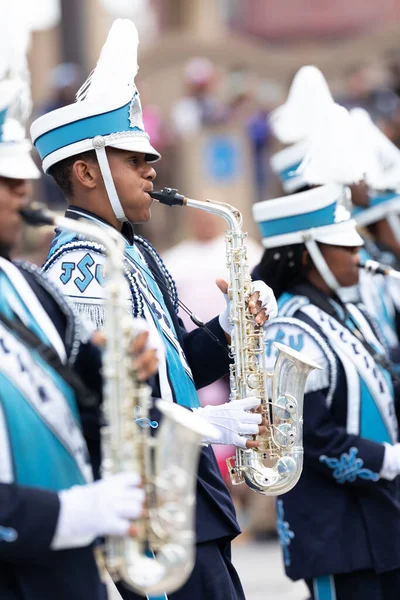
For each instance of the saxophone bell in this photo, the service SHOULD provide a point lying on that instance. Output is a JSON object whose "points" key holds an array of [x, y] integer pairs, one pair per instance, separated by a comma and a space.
{"points": [[163, 556], [285, 412]]}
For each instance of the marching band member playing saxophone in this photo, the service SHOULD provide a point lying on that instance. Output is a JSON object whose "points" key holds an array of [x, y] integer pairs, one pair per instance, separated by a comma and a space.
{"points": [[101, 157], [50, 509], [375, 203], [327, 523]]}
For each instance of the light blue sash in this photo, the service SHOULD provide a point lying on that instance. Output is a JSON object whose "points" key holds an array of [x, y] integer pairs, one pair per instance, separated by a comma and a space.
{"points": [[179, 372], [43, 445]]}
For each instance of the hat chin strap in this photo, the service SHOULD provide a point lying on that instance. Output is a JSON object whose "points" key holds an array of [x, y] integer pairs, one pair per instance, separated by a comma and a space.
{"points": [[108, 179], [321, 265]]}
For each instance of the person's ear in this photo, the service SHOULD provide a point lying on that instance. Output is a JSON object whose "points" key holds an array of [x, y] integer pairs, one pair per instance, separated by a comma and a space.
{"points": [[85, 173], [305, 258]]}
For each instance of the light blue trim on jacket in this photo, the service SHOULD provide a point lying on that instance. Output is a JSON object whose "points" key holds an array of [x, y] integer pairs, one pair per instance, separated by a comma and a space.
{"points": [[324, 588], [3, 114], [348, 467], [372, 425], [285, 534], [8, 534]]}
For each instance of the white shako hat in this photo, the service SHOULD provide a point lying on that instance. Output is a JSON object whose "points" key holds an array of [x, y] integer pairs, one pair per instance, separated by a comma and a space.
{"points": [[294, 122], [336, 153], [107, 112], [285, 164], [383, 175], [15, 98], [321, 214], [316, 215], [308, 97]]}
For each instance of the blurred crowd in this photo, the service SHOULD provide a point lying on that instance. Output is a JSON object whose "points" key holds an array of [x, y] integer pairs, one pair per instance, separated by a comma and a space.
{"points": [[237, 99]]}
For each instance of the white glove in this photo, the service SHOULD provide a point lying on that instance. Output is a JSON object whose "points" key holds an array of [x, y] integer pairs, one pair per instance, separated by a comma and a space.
{"points": [[391, 462], [104, 507], [232, 421], [267, 298]]}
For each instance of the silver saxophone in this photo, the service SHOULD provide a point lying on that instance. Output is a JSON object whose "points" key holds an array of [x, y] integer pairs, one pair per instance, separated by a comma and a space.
{"points": [[161, 556], [283, 409]]}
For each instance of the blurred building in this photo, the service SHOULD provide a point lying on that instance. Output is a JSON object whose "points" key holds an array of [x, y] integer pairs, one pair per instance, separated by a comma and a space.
{"points": [[306, 20], [249, 42]]}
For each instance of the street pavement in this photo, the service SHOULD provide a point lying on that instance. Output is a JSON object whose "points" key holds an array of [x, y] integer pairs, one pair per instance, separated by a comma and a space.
{"points": [[260, 567], [261, 572]]}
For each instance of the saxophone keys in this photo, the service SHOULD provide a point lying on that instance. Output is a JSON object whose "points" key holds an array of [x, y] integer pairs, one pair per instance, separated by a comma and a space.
{"points": [[285, 435], [284, 407], [253, 382]]}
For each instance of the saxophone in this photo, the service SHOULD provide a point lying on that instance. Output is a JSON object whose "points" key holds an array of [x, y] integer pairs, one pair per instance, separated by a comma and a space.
{"points": [[283, 412], [161, 557], [376, 268]]}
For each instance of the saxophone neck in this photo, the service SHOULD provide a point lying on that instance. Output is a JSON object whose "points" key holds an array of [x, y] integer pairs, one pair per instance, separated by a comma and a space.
{"points": [[226, 211], [171, 197]]}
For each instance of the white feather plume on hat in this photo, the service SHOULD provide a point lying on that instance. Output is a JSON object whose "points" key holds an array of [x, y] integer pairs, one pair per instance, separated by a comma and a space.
{"points": [[308, 98], [107, 111], [14, 71], [15, 94], [117, 63], [384, 172], [336, 153]]}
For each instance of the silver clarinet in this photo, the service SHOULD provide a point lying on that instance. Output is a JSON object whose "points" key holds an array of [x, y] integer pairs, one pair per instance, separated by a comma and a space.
{"points": [[283, 408], [161, 556]]}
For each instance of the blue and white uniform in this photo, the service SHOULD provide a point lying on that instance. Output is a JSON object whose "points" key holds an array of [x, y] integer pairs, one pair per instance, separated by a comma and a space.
{"points": [[380, 294], [341, 517], [187, 361], [42, 446], [339, 526]]}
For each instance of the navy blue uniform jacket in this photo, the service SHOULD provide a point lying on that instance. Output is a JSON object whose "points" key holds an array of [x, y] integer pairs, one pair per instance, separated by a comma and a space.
{"points": [[340, 517]]}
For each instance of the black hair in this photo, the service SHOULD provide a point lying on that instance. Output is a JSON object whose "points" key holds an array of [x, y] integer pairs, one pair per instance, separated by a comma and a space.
{"points": [[305, 188], [61, 171], [282, 268]]}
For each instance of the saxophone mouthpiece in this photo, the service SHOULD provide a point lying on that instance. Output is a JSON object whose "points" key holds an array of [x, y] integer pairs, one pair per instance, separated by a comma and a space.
{"points": [[37, 215], [169, 196], [376, 268]]}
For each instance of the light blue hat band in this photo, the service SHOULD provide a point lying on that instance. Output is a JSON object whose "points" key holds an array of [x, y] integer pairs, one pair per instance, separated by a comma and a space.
{"points": [[317, 218], [114, 121], [3, 114], [289, 172], [375, 200]]}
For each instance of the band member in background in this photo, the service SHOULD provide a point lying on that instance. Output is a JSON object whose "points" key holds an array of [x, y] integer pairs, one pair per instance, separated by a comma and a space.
{"points": [[327, 523], [331, 146], [51, 511], [101, 157], [377, 210]]}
